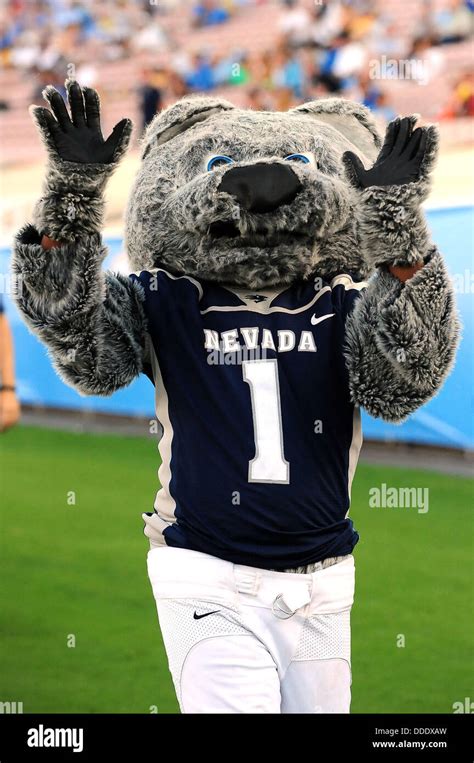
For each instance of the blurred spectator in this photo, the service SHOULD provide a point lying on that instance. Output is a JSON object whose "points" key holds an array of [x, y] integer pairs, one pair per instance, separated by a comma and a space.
{"points": [[360, 21], [283, 99], [382, 107], [150, 38], [176, 85], [201, 76], [328, 22], [310, 49], [288, 72], [453, 23], [209, 13], [426, 61], [238, 68], [261, 68], [258, 100], [151, 94], [294, 22], [9, 405], [461, 100], [385, 38], [343, 61], [349, 58], [368, 92]]}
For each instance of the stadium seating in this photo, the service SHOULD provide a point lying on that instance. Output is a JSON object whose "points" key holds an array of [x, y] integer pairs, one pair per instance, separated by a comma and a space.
{"points": [[253, 28]]}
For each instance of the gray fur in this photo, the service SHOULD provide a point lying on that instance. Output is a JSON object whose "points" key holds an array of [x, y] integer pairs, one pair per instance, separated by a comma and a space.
{"points": [[401, 340], [329, 228], [390, 221], [181, 115], [291, 242], [351, 119], [72, 203], [92, 322]]}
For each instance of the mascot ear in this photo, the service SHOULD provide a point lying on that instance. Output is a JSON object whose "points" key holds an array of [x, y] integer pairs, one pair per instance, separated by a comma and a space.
{"points": [[180, 117], [352, 120]]}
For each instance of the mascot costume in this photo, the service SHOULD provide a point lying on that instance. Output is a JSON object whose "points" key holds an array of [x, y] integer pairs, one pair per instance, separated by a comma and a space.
{"points": [[284, 278]]}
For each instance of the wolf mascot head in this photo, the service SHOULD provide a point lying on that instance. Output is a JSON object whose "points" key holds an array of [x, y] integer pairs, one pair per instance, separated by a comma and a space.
{"points": [[249, 198]]}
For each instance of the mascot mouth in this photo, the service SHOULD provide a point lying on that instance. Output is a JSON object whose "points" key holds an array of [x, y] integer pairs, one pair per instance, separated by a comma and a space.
{"points": [[228, 231], [223, 229]]}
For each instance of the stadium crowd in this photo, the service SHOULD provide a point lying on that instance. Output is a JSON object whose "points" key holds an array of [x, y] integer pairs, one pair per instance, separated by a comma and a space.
{"points": [[319, 49]]}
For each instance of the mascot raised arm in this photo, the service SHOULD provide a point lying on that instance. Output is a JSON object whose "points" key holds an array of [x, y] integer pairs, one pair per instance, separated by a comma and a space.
{"points": [[284, 277]]}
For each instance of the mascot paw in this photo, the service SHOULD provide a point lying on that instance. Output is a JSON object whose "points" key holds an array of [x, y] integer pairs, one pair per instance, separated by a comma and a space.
{"points": [[407, 156], [391, 191], [76, 135]]}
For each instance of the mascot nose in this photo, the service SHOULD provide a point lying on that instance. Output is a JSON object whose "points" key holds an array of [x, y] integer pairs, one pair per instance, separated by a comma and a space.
{"points": [[261, 187]]}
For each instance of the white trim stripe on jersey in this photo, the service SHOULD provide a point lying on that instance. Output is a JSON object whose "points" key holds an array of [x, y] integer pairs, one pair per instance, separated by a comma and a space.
{"points": [[354, 450], [357, 437], [155, 271], [260, 308], [344, 279], [165, 505]]}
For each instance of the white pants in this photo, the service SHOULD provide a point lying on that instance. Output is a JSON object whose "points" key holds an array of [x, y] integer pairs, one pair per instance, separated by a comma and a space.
{"points": [[245, 640]]}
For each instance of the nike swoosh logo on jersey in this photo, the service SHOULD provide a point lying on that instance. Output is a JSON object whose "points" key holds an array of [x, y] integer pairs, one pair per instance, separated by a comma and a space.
{"points": [[315, 321], [206, 614]]}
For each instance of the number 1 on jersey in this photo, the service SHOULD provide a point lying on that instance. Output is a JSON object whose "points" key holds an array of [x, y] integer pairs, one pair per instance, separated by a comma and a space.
{"points": [[269, 464]]}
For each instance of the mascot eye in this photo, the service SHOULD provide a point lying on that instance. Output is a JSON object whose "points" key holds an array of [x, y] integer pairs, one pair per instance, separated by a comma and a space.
{"points": [[218, 161], [302, 158]]}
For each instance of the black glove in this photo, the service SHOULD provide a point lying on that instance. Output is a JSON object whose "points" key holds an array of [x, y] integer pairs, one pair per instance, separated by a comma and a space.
{"points": [[400, 159], [78, 138], [80, 162]]}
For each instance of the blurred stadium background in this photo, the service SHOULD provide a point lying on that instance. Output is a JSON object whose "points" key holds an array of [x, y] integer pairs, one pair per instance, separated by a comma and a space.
{"points": [[79, 569]]}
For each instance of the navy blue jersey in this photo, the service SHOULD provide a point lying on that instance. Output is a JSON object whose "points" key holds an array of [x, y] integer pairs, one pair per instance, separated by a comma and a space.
{"points": [[260, 436]]}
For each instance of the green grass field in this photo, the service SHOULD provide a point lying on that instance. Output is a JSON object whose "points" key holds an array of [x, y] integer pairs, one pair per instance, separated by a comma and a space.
{"points": [[80, 569]]}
